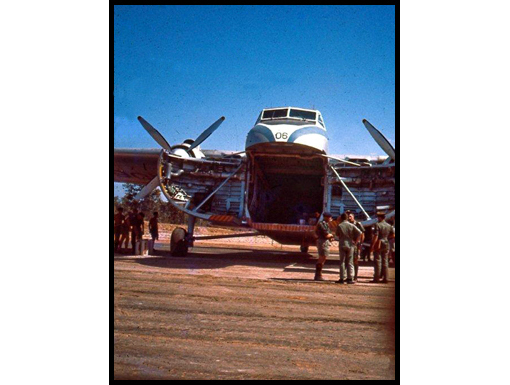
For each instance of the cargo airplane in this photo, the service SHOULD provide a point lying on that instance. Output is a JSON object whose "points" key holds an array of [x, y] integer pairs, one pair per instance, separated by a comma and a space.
{"points": [[274, 187]]}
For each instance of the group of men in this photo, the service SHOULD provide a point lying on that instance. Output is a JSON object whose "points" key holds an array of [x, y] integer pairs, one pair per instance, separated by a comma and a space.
{"points": [[132, 225], [351, 234]]}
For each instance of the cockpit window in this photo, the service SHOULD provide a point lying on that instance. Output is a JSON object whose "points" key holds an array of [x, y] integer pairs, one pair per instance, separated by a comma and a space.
{"points": [[275, 114], [321, 122], [305, 115], [286, 113]]}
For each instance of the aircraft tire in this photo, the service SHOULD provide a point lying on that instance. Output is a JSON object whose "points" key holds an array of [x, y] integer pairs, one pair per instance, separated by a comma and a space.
{"points": [[178, 243]]}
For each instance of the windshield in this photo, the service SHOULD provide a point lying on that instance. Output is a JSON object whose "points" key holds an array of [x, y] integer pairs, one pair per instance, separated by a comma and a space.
{"points": [[275, 114], [305, 115]]}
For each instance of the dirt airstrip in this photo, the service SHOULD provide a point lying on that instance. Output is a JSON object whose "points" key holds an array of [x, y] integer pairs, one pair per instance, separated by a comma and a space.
{"points": [[246, 312]]}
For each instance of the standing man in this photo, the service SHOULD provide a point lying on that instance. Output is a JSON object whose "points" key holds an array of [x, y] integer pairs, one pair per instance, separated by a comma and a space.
{"points": [[314, 219], [348, 236], [393, 250], [126, 228], [325, 236], [358, 245], [365, 251], [118, 222], [154, 229], [136, 223], [381, 248], [132, 225]]}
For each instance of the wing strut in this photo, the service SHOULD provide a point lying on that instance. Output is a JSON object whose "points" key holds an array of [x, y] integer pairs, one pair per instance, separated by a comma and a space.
{"points": [[350, 192], [341, 160], [218, 188]]}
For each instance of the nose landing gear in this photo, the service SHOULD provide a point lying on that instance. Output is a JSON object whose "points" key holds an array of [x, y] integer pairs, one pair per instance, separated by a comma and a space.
{"points": [[182, 240], [179, 243]]}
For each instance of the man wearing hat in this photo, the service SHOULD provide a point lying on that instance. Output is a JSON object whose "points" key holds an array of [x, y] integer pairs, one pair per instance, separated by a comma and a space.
{"points": [[348, 236], [381, 248], [325, 236]]}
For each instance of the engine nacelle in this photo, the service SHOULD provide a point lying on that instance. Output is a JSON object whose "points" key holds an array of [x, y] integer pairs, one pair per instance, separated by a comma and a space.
{"points": [[182, 150]]}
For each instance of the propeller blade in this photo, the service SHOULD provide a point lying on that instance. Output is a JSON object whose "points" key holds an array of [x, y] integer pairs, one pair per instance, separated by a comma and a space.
{"points": [[207, 133], [147, 190], [380, 139], [155, 134]]}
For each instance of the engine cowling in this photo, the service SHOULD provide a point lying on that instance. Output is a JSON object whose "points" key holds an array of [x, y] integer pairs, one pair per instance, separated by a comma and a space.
{"points": [[182, 150]]}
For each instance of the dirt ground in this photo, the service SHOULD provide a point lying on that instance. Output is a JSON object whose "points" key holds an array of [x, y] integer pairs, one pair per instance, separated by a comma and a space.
{"points": [[245, 313]]}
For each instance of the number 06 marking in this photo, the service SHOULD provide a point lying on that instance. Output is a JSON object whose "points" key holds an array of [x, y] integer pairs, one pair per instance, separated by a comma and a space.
{"points": [[282, 135]]}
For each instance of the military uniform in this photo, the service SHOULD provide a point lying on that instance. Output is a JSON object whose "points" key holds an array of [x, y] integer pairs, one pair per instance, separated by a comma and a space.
{"points": [[382, 231], [124, 240], [323, 243], [154, 228], [136, 230], [357, 250], [117, 229], [365, 252], [323, 231], [347, 234]]}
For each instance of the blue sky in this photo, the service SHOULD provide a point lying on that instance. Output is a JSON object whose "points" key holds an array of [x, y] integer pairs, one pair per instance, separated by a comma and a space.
{"points": [[182, 67]]}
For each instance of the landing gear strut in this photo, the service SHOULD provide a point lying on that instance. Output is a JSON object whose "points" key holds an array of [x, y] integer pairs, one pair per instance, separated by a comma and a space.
{"points": [[305, 248], [191, 231]]}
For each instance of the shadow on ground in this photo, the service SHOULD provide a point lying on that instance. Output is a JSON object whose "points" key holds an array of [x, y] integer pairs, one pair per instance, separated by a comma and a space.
{"points": [[217, 257]]}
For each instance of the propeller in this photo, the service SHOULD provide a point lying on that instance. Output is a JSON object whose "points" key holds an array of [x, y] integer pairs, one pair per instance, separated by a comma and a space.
{"points": [[156, 135], [380, 139]]}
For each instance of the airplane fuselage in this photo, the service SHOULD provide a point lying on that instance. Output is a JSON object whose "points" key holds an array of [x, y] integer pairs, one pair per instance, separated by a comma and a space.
{"points": [[287, 172]]}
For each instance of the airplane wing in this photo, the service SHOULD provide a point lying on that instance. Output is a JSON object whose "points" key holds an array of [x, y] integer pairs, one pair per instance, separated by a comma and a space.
{"points": [[210, 188], [135, 166], [350, 161]]}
